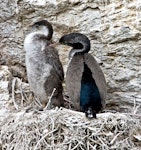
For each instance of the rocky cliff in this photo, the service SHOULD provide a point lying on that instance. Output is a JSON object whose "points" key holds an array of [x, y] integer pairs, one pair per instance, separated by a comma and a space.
{"points": [[113, 26]]}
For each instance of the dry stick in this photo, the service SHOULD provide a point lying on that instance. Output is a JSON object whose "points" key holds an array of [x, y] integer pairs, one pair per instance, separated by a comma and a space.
{"points": [[21, 92], [135, 108], [68, 101], [13, 93], [37, 102], [135, 115], [88, 145], [76, 146], [52, 142], [23, 137], [112, 142], [69, 146], [43, 137], [80, 147], [104, 144], [25, 96], [92, 146], [47, 133], [49, 101]]}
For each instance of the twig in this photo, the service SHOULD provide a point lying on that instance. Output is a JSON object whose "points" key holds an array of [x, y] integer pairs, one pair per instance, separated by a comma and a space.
{"points": [[49, 101], [13, 92], [103, 144], [88, 145], [43, 138], [69, 146], [76, 146], [21, 91], [67, 100], [37, 102], [112, 142]]}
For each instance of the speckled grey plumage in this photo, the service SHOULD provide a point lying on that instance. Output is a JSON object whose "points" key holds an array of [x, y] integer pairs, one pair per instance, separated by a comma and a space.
{"points": [[44, 69]]}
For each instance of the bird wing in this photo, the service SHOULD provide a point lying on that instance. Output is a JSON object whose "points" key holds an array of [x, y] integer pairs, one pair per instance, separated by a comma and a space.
{"points": [[97, 75], [73, 80], [54, 60]]}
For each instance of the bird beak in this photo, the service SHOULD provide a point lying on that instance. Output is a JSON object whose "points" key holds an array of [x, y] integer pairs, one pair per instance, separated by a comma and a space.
{"points": [[54, 44]]}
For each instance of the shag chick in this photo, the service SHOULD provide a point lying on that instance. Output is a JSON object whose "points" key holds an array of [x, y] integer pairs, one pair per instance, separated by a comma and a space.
{"points": [[44, 69]]}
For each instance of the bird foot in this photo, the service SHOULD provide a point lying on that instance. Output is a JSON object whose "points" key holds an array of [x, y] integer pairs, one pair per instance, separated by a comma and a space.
{"points": [[90, 113]]}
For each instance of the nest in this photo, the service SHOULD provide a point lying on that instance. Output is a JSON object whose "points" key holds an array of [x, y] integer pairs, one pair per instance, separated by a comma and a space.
{"points": [[64, 129]]}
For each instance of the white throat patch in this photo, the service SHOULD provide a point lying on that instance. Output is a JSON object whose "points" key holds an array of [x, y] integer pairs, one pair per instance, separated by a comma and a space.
{"points": [[44, 30], [28, 42]]}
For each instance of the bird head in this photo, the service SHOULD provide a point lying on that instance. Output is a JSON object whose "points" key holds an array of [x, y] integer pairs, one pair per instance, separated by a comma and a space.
{"points": [[79, 42], [72, 40], [44, 27]]}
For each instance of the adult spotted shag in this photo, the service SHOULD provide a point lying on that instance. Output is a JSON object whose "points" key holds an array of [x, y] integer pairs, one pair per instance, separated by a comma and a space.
{"points": [[44, 69], [85, 80]]}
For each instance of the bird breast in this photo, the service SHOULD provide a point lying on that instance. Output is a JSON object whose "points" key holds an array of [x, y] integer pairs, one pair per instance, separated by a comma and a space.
{"points": [[38, 72], [33, 44]]}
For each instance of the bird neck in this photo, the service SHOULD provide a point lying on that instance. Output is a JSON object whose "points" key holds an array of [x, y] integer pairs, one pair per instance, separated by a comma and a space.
{"points": [[79, 48]]}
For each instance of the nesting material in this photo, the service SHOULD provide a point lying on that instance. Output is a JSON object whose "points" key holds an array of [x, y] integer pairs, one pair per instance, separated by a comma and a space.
{"points": [[64, 129]]}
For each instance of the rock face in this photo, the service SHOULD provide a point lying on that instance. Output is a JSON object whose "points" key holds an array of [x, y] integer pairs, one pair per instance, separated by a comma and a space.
{"points": [[114, 27]]}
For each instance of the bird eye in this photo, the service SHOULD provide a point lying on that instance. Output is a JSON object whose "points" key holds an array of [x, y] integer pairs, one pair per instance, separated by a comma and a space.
{"points": [[36, 26]]}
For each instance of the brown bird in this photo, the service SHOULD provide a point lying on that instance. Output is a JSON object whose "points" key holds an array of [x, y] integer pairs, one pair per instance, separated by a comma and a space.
{"points": [[44, 69], [85, 81]]}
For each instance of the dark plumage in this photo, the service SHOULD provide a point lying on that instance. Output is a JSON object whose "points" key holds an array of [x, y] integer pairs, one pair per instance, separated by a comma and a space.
{"points": [[85, 80], [44, 69]]}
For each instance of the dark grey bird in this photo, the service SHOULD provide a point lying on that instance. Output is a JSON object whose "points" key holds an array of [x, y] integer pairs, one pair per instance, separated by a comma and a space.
{"points": [[85, 81], [44, 69]]}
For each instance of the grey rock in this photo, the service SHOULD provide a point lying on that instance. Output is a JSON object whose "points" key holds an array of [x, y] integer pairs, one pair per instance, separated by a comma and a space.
{"points": [[114, 28]]}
